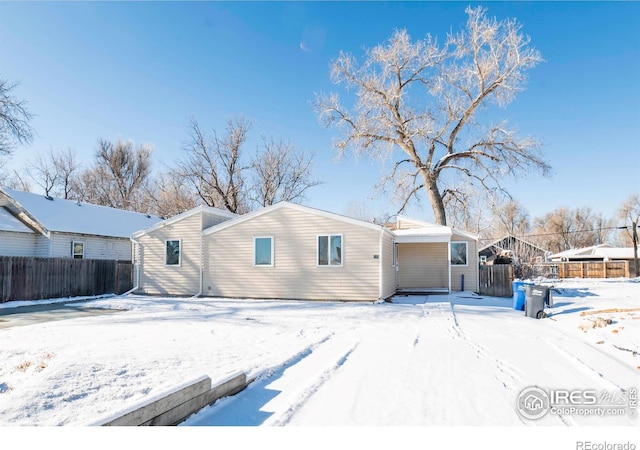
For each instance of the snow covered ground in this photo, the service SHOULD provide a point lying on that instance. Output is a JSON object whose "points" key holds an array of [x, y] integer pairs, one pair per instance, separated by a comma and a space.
{"points": [[436, 361]]}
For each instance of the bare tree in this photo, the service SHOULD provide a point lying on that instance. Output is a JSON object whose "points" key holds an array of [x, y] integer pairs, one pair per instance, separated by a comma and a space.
{"points": [[511, 218], [15, 181], [280, 173], [425, 101], [564, 229], [42, 172], [168, 195], [119, 176], [55, 172], [213, 167], [14, 119], [67, 166], [630, 213]]}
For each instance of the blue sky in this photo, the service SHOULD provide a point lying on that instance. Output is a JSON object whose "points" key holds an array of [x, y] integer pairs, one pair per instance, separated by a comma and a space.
{"points": [[140, 70]]}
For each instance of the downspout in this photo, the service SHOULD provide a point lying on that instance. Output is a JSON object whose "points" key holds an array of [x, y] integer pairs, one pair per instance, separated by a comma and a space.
{"points": [[135, 246], [380, 267], [449, 261]]}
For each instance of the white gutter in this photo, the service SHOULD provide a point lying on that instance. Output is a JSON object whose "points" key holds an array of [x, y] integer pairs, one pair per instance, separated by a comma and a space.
{"points": [[137, 264]]}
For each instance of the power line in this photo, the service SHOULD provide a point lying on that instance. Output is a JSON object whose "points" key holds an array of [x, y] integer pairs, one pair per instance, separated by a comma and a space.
{"points": [[560, 233]]}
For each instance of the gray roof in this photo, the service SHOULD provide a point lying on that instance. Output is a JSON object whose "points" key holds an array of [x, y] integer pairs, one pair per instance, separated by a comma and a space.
{"points": [[69, 216]]}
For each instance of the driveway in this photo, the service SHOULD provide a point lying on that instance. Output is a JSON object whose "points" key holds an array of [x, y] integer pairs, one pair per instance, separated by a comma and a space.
{"points": [[33, 314]]}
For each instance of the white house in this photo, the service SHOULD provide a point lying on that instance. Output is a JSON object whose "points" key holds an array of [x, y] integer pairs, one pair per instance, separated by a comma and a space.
{"points": [[39, 226], [602, 252], [291, 251]]}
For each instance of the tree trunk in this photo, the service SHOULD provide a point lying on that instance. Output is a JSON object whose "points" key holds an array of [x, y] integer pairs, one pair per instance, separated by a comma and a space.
{"points": [[437, 203]]}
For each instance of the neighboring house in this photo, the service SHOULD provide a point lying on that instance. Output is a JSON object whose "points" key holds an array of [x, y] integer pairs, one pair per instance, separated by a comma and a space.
{"points": [[603, 252], [39, 226], [291, 251], [511, 248]]}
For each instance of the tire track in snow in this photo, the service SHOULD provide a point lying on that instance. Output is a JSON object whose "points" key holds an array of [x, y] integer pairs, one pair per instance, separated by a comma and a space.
{"points": [[506, 374], [295, 404]]}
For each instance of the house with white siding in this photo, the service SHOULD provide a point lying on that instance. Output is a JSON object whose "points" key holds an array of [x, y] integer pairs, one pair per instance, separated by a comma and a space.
{"points": [[289, 251], [169, 255], [36, 225]]}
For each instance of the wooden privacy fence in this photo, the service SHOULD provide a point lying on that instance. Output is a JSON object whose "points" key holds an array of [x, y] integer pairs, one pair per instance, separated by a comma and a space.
{"points": [[496, 280], [586, 269], [26, 278]]}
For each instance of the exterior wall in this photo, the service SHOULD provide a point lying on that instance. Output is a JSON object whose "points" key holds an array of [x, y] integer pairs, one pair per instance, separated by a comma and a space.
{"points": [[230, 271], [18, 244], [388, 277], [155, 276], [95, 247], [209, 220], [423, 265], [470, 271]]}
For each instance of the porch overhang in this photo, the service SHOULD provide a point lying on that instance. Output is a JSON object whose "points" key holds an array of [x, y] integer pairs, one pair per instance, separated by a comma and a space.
{"points": [[423, 235]]}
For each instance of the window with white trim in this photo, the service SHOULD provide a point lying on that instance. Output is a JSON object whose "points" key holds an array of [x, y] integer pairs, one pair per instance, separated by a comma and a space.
{"points": [[77, 250], [330, 250], [172, 253], [459, 254], [263, 251]]}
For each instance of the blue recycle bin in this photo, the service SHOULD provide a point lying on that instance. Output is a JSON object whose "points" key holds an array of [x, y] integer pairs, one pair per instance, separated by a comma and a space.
{"points": [[519, 294]]}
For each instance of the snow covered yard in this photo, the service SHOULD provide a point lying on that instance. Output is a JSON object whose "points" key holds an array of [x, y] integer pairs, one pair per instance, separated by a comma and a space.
{"points": [[435, 360]]}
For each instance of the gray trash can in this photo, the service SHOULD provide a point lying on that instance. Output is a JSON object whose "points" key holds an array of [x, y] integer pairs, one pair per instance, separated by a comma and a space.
{"points": [[535, 298]]}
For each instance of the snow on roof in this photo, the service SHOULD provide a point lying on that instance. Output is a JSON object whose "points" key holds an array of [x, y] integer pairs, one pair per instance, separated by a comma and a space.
{"points": [[10, 223], [603, 251], [69, 216], [431, 233]]}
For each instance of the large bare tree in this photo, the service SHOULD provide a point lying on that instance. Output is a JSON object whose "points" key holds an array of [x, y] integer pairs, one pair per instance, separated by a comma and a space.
{"points": [[213, 166], [14, 119], [280, 173], [119, 176], [223, 175], [423, 102]]}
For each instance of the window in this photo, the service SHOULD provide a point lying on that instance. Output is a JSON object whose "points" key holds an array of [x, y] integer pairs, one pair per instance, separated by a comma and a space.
{"points": [[330, 250], [77, 250], [172, 253], [458, 253], [263, 251]]}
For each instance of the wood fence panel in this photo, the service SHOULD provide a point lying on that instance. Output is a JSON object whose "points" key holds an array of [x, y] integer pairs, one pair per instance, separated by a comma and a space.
{"points": [[496, 280], [25, 278], [587, 269]]}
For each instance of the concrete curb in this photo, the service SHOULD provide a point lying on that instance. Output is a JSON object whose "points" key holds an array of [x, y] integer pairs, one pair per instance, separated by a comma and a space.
{"points": [[176, 405]]}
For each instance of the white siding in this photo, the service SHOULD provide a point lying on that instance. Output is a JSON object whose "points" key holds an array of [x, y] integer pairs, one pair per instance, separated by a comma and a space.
{"points": [[470, 271], [155, 276], [388, 270], [423, 265], [95, 247], [18, 244], [295, 275]]}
